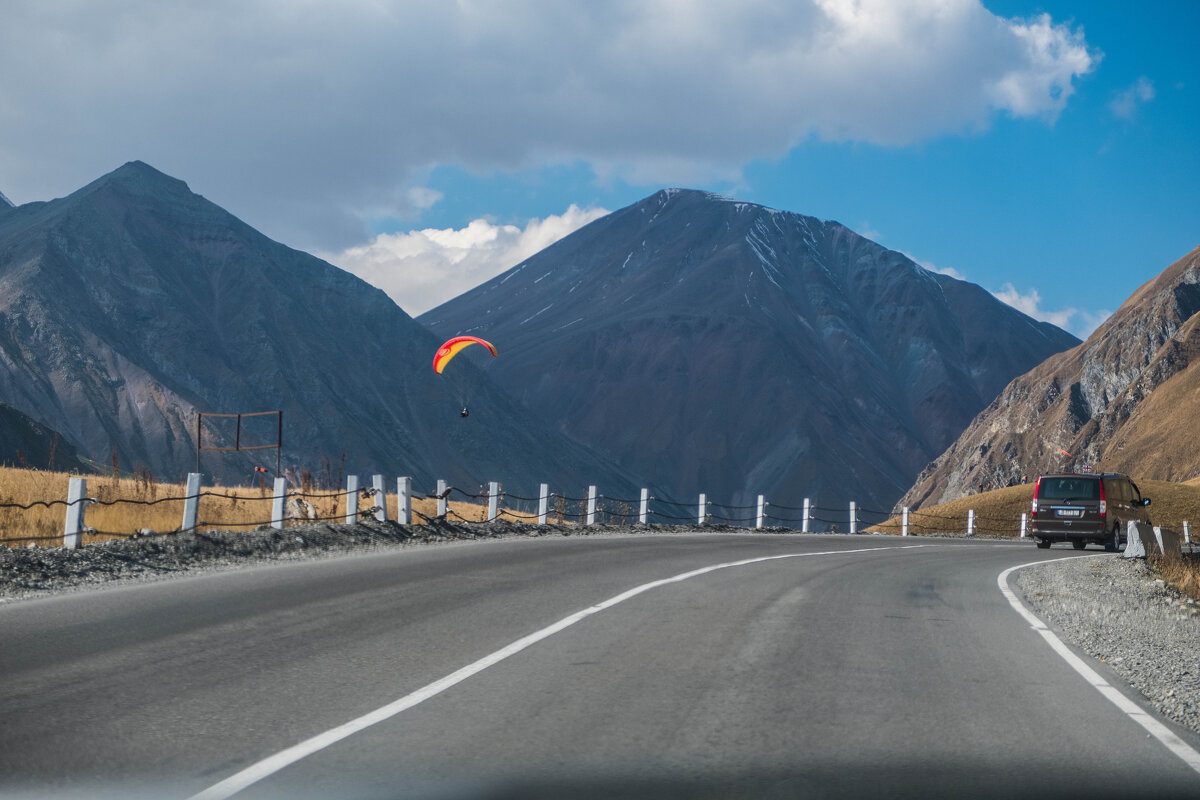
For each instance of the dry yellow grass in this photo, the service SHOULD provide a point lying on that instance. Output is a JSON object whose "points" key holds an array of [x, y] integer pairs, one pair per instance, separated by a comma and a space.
{"points": [[1181, 573], [127, 505], [999, 513], [996, 513]]}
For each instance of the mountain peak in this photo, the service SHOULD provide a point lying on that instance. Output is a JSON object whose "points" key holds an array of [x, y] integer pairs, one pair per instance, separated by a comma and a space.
{"points": [[138, 176], [704, 196], [5, 202], [714, 202], [137, 185]]}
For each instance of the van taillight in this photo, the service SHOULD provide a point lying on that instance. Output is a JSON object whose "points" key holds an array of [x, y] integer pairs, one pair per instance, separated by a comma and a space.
{"points": [[1037, 489], [1103, 501]]}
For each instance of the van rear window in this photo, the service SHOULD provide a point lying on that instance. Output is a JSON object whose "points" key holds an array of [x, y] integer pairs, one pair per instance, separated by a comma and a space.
{"points": [[1069, 489]]}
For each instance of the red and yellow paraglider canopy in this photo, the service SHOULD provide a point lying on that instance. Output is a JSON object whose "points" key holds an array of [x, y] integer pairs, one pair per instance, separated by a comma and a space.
{"points": [[452, 348]]}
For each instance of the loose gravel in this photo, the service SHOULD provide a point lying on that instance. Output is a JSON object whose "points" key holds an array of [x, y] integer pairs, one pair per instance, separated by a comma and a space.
{"points": [[29, 572], [1110, 607]]}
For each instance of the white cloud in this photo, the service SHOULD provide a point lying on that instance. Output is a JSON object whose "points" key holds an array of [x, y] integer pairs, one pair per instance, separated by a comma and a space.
{"points": [[1039, 83], [1080, 323], [929, 265], [305, 119], [951, 271], [1088, 321], [867, 231], [1125, 104], [422, 197], [424, 268]]}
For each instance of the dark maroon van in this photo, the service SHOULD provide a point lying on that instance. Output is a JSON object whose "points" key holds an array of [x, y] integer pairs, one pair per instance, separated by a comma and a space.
{"points": [[1085, 507]]}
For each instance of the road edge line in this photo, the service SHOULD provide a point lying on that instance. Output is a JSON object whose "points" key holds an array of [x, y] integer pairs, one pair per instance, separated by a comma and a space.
{"points": [[1131, 709]]}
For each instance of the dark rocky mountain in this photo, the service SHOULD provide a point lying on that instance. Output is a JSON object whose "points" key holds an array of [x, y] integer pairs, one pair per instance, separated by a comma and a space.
{"points": [[1126, 400], [26, 443], [133, 303], [724, 347]]}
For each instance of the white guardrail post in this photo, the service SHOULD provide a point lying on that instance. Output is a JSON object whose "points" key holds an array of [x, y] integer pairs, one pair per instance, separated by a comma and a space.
{"points": [[404, 507], [703, 508], [804, 519], [493, 500], [853, 518], [191, 505], [762, 511], [1187, 533], [277, 502], [591, 505], [543, 503], [351, 498], [904, 522], [971, 522], [1024, 524], [644, 511], [380, 495], [443, 499], [76, 502]]}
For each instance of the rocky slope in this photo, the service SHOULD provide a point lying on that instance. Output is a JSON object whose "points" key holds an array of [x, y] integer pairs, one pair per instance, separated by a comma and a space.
{"points": [[728, 348], [133, 303], [1123, 401]]}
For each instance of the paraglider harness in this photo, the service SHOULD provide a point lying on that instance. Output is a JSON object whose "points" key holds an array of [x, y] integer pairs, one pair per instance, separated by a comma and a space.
{"points": [[464, 413]]}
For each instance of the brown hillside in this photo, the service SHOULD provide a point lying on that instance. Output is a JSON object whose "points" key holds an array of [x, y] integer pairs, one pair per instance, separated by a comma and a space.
{"points": [[1153, 441], [1123, 401]]}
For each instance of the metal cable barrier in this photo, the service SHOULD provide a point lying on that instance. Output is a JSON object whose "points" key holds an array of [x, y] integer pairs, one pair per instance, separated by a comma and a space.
{"points": [[239, 510]]}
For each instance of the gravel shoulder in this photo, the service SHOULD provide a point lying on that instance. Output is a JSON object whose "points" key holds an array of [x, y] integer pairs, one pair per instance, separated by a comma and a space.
{"points": [[1116, 610], [1109, 607]]}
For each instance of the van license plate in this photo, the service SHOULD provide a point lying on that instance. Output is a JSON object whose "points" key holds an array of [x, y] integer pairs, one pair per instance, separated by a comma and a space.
{"points": [[1069, 512]]}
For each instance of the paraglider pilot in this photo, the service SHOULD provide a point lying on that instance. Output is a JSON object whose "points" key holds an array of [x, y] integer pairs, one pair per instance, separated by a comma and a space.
{"points": [[450, 349]]}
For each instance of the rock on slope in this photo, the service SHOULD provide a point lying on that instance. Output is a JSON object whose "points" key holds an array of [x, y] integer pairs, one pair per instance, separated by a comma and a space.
{"points": [[26, 443]]}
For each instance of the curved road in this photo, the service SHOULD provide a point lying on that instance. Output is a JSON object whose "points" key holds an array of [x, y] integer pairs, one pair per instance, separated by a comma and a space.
{"points": [[767, 665]]}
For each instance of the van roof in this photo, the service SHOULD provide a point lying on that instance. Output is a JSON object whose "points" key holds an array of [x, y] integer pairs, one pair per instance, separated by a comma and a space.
{"points": [[1083, 475]]}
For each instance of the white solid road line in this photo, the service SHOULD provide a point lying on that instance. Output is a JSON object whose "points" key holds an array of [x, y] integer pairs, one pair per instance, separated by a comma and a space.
{"points": [[272, 764], [1131, 709]]}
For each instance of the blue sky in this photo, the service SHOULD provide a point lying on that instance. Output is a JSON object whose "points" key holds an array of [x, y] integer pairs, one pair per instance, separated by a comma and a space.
{"points": [[1046, 151]]}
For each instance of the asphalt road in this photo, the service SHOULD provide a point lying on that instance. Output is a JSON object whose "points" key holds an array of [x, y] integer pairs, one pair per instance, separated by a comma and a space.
{"points": [[851, 666]]}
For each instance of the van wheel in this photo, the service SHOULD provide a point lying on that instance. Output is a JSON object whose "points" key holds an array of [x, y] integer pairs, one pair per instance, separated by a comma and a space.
{"points": [[1113, 545], [1043, 544], [1079, 545]]}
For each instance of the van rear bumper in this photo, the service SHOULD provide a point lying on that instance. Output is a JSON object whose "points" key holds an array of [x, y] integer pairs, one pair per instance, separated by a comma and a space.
{"points": [[1055, 534]]}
